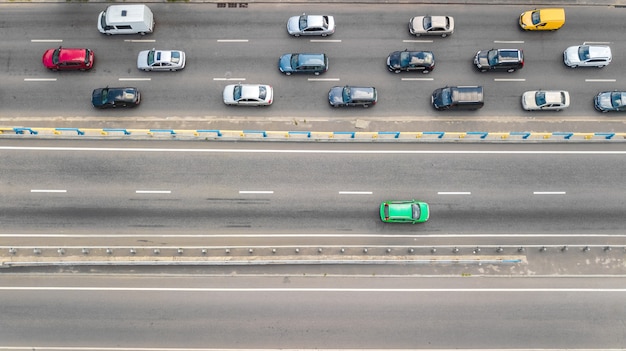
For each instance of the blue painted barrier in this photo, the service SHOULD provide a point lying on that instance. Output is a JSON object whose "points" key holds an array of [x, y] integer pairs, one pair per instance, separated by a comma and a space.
{"points": [[308, 134], [171, 131], [524, 135], [78, 131], [219, 133], [395, 134], [262, 132], [352, 134], [126, 132], [483, 135], [439, 134]]}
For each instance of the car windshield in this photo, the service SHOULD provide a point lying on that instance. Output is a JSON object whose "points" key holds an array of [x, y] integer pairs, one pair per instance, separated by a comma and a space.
{"points": [[175, 57], [583, 52], [492, 57], [105, 96], [346, 94], [55, 56], [446, 97], [237, 92], [150, 57], [262, 92], [428, 23], [303, 22], [540, 98], [294, 61], [416, 211], [535, 17], [616, 99]]}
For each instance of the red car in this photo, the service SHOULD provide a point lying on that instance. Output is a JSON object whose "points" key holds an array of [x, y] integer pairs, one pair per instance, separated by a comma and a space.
{"points": [[64, 59]]}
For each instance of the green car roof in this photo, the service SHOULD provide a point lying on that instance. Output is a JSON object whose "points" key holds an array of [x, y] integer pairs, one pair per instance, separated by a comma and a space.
{"points": [[409, 211]]}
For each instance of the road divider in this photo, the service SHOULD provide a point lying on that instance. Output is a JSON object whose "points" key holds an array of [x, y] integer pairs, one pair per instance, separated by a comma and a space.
{"points": [[390, 136]]}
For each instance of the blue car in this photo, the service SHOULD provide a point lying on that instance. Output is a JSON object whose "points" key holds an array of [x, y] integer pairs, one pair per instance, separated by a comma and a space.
{"points": [[303, 63]]}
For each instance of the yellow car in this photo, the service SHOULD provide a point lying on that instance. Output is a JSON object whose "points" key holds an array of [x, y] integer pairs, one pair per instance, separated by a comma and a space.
{"points": [[542, 19]]}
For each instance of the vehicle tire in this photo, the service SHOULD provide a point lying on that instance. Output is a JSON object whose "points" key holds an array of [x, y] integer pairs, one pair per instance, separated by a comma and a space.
{"points": [[317, 73], [296, 35], [142, 33], [483, 70], [425, 71], [366, 106], [324, 35], [444, 35], [397, 71], [288, 73], [146, 70], [601, 66], [510, 70]]}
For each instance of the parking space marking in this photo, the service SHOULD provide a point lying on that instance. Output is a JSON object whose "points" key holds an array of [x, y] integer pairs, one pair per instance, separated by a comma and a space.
{"points": [[47, 191], [40, 79], [256, 191], [549, 193], [355, 193], [153, 191], [454, 193]]}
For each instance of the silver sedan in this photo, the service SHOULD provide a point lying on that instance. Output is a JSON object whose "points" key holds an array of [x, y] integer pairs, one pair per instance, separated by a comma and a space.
{"points": [[161, 60], [311, 25], [545, 100], [431, 25], [248, 95]]}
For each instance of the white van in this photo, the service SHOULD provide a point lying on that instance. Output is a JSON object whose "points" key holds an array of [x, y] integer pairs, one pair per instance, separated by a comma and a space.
{"points": [[126, 19]]}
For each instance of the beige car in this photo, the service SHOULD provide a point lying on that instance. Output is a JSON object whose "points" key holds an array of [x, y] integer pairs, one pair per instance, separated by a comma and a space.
{"points": [[431, 25], [545, 100]]}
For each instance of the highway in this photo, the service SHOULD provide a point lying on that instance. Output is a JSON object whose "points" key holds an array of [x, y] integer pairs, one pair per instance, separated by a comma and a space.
{"points": [[188, 312], [243, 44]]}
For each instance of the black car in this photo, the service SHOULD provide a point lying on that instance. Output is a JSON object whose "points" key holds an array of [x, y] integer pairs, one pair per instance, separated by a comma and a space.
{"points": [[459, 97], [610, 101], [352, 96], [115, 97], [399, 61], [509, 60]]}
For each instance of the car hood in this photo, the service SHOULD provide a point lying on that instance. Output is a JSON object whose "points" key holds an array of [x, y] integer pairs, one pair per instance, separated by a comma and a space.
{"points": [[604, 100], [96, 97], [528, 99], [142, 59], [481, 58], [335, 95], [284, 63], [571, 54], [47, 58], [293, 24], [393, 60]]}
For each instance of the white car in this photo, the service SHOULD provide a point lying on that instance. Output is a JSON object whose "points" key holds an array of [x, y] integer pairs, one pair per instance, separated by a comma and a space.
{"points": [[248, 95], [311, 25], [431, 25], [587, 56], [545, 100], [161, 60]]}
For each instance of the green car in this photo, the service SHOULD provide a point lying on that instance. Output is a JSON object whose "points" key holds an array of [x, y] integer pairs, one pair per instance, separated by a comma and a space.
{"points": [[405, 211]]}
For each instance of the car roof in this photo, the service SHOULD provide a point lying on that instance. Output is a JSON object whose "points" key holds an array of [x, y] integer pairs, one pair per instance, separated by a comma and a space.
{"points": [[361, 92], [72, 54], [309, 59], [315, 20], [599, 51], [438, 21], [400, 209], [554, 96], [250, 91]]}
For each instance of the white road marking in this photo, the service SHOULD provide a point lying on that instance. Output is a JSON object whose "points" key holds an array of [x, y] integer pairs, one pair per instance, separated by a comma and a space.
{"points": [[47, 191], [323, 79], [417, 41], [46, 40], [153, 191], [40, 79], [139, 40], [597, 42], [223, 79], [320, 151], [417, 79], [509, 80], [509, 41], [454, 193], [600, 80], [95, 348], [355, 193], [325, 235], [325, 41], [256, 191], [134, 79], [232, 40], [548, 192]]}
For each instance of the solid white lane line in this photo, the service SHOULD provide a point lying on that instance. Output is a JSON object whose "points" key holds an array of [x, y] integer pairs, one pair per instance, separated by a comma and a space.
{"points": [[46, 40], [417, 79], [40, 79], [325, 41], [223, 79], [509, 79], [417, 41], [323, 79], [47, 191], [509, 41], [153, 191], [454, 193], [256, 191], [96, 348], [322, 235], [600, 80], [355, 193], [134, 79], [548, 192], [232, 40]]}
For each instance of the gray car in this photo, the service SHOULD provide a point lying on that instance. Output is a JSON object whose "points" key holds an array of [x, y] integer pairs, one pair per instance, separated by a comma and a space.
{"points": [[248, 94], [432, 25], [311, 25], [161, 60], [352, 96]]}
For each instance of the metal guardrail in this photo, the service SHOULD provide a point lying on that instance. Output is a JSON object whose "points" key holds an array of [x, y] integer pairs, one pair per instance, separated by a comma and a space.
{"points": [[215, 134]]}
